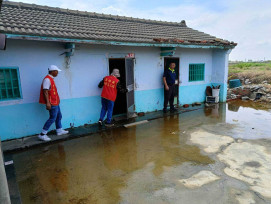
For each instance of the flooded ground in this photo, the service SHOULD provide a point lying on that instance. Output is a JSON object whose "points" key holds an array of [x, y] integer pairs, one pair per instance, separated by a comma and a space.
{"points": [[221, 154]]}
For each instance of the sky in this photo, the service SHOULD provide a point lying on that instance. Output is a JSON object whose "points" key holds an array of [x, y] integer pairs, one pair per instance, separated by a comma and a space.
{"points": [[246, 22]]}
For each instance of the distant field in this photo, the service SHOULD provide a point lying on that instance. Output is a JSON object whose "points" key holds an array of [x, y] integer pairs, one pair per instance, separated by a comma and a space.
{"points": [[256, 72], [249, 66]]}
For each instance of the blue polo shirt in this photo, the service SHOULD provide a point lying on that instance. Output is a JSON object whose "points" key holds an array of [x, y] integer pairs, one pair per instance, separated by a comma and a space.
{"points": [[170, 76]]}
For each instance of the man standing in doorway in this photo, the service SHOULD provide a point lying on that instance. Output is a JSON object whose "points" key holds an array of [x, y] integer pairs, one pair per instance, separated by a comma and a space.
{"points": [[111, 86], [169, 78], [49, 96]]}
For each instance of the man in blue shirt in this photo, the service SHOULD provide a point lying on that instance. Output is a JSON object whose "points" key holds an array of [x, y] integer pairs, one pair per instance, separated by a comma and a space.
{"points": [[169, 78]]}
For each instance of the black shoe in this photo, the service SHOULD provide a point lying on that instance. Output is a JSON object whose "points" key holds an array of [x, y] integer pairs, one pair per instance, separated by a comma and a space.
{"points": [[100, 122], [109, 124], [164, 110], [172, 110]]}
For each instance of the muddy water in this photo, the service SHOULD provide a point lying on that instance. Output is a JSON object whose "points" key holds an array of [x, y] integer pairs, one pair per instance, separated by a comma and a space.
{"points": [[163, 161]]}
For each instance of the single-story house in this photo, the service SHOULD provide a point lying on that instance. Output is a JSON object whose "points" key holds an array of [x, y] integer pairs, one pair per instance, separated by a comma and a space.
{"points": [[87, 46]]}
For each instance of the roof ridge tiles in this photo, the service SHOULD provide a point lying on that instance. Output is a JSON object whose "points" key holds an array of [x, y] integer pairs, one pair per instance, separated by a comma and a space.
{"points": [[86, 13], [31, 19]]}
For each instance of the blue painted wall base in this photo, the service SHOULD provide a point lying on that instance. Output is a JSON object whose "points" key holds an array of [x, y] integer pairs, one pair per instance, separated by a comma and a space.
{"points": [[22, 120], [28, 119], [151, 100]]}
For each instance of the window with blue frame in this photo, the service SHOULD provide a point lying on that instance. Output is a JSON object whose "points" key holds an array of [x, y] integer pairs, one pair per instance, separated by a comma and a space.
{"points": [[9, 83], [196, 72]]}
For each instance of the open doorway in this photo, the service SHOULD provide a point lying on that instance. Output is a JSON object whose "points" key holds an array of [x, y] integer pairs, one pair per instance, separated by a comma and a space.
{"points": [[167, 61], [120, 106]]}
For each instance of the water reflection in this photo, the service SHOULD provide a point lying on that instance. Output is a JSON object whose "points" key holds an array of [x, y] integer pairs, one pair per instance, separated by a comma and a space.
{"points": [[43, 174], [120, 149], [212, 110], [95, 169], [174, 151], [251, 120]]}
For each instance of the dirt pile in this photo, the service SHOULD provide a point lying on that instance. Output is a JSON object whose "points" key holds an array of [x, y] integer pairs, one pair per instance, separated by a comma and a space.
{"points": [[252, 77]]}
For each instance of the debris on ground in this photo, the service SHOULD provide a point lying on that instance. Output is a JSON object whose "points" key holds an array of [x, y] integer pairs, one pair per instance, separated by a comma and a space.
{"points": [[141, 114], [199, 179], [260, 92], [135, 123], [196, 104], [244, 98], [185, 105]]}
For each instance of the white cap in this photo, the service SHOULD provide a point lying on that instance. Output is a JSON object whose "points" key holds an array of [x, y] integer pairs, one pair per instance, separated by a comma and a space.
{"points": [[115, 73], [53, 68]]}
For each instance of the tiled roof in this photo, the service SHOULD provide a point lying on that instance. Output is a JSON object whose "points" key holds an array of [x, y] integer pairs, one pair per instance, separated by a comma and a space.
{"points": [[36, 20]]}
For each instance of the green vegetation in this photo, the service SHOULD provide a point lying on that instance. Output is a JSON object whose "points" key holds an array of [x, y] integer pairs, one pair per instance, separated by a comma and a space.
{"points": [[256, 72], [249, 66]]}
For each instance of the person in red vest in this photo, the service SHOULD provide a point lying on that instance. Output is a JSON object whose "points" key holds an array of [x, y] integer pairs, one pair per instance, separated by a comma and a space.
{"points": [[110, 85], [49, 96]]}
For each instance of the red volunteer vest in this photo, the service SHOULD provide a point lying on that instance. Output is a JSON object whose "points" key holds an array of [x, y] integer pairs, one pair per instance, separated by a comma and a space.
{"points": [[53, 94], [110, 88]]}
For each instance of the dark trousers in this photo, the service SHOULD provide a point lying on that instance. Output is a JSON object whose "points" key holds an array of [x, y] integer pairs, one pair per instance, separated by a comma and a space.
{"points": [[169, 96]]}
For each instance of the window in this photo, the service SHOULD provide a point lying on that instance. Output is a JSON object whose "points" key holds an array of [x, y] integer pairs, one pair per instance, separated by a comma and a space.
{"points": [[9, 83], [196, 72]]}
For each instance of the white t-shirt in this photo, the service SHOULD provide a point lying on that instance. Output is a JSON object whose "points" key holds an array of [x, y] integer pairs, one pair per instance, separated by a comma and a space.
{"points": [[46, 83]]}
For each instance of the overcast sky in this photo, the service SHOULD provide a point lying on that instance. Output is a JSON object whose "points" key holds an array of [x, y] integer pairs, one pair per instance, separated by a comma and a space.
{"points": [[247, 22]]}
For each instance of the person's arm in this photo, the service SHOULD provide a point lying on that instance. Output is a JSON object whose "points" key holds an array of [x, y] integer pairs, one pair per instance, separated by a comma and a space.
{"points": [[46, 86], [165, 82], [120, 89], [101, 84], [46, 96]]}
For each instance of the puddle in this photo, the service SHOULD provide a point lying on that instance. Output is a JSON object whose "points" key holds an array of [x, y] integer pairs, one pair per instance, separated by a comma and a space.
{"points": [[252, 122], [196, 157]]}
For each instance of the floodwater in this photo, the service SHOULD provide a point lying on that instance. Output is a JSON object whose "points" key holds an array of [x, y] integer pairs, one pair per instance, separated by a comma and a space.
{"points": [[220, 154]]}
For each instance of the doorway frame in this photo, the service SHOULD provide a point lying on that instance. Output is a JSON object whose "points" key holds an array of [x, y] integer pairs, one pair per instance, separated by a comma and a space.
{"points": [[117, 58], [179, 74], [124, 57]]}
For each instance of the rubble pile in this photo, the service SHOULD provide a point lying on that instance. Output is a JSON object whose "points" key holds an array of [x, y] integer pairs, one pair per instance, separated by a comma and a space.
{"points": [[259, 92]]}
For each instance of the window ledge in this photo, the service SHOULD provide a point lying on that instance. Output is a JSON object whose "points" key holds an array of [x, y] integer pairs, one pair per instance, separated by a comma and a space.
{"points": [[11, 102]]}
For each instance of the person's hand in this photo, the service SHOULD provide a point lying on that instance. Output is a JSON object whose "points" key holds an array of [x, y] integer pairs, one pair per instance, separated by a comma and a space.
{"points": [[167, 88], [48, 106]]}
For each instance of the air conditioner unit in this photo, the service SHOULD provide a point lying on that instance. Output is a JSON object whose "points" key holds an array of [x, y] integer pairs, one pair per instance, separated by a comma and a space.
{"points": [[212, 99]]}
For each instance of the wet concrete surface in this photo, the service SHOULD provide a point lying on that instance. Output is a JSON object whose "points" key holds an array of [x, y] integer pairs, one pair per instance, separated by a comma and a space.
{"points": [[220, 154], [85, 130]]}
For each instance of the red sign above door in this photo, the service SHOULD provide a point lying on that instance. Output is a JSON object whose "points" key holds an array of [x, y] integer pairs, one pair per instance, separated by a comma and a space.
{"points": [[130, 55]]}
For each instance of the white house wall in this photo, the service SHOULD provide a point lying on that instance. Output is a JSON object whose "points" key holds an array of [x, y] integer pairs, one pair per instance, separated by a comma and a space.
{"points": [[190, 92], [77, 85], [220, 71]]}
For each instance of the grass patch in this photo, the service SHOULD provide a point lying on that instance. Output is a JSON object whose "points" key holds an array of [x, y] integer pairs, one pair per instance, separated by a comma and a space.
{"points": [[256, 72], [249, 66]]}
